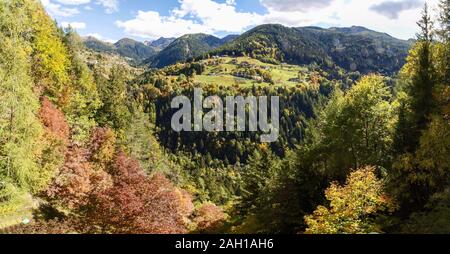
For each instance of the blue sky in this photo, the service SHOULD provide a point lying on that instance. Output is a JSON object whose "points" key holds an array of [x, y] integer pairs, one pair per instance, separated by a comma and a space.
{"points": [[111, 20]]}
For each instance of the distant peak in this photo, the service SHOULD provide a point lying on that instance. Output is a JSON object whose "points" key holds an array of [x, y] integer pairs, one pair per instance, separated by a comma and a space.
{"points": [[126, 40]]}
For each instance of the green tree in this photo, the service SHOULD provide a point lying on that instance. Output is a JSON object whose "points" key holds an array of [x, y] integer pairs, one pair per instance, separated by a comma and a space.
{"points": [[419, 71], [142, 144], [444, 20], [115, 112], [20, 130], [262, 165], [355, 129], [420, 170], [85, 99]]}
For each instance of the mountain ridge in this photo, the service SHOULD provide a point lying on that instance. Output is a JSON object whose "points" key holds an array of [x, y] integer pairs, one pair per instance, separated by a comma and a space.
{"points": [[130, 49], [354, 49]]}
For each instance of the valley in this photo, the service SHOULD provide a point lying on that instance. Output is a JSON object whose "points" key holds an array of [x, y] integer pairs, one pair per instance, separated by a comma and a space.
{"points": [[87, 145]]}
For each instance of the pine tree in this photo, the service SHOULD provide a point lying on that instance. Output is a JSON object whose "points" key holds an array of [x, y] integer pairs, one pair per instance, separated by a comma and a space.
{"points": [[262, 165], [422, 83], [444, 20], [114, 111], [426, 26], [443, 48]]}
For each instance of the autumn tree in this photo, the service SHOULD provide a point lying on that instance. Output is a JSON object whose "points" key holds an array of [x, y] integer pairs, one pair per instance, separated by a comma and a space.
{"points": [[102, 147], [20, 129], [353, 207], [209, 218], [354, 129], [136, 203], [50, 58], [76, 180], [54, 120], [85, 98]]}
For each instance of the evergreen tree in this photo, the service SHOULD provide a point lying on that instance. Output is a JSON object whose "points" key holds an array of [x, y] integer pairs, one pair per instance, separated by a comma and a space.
{"points": [[420, 171], [85, 99], [420, 72], [443, 47], [444, 20], [426, 26], [114, 94]]}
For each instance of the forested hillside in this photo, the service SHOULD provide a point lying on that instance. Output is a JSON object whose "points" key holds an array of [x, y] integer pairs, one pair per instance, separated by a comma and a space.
{"points": [[184, 48], [353, 49], [135, 52], [86, 144], [160, 43]]}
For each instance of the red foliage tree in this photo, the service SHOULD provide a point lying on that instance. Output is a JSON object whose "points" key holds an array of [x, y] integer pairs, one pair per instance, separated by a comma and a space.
{"points": [[76, 180], [209, 218], [54, 120], [137, 204], [42, 227]]}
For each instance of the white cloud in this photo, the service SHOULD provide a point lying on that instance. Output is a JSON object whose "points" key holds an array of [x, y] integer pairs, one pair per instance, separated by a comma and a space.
{"points": [[73, 2], [392, 9], [60, 7], [110, 6], [344, 13], [193, 16], [208, 16], [151, 25], [58, 10], [217, 16], [74, 25], [294, 5]]}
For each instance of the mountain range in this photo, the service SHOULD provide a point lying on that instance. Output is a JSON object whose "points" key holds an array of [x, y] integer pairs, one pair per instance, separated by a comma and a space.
{"points": [[160, 43], [186, 47], [352, 48], [134, 51]]}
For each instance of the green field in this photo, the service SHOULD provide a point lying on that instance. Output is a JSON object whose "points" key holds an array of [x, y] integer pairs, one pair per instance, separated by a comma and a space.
{"points": [[220, 71]]}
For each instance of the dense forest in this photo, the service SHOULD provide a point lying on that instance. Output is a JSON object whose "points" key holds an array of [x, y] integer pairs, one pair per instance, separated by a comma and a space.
{"points": [[86, 144]]}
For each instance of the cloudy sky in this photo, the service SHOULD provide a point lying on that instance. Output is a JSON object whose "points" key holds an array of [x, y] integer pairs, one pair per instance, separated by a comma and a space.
{"points": [[111, 20]]}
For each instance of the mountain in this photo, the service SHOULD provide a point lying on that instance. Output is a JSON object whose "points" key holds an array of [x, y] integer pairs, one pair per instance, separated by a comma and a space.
{"points": [[229, 38], [186, 47], [160, 43], [354, 48], [133, 50], [98, 45]]}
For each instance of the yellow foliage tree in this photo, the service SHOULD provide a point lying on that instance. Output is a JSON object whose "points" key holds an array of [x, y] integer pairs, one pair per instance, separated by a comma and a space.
{"points": [[50, 57], [353, 207]]}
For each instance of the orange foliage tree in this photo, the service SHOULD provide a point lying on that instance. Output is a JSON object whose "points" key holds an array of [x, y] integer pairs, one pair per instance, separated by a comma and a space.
{"points": [[136, 203]]}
